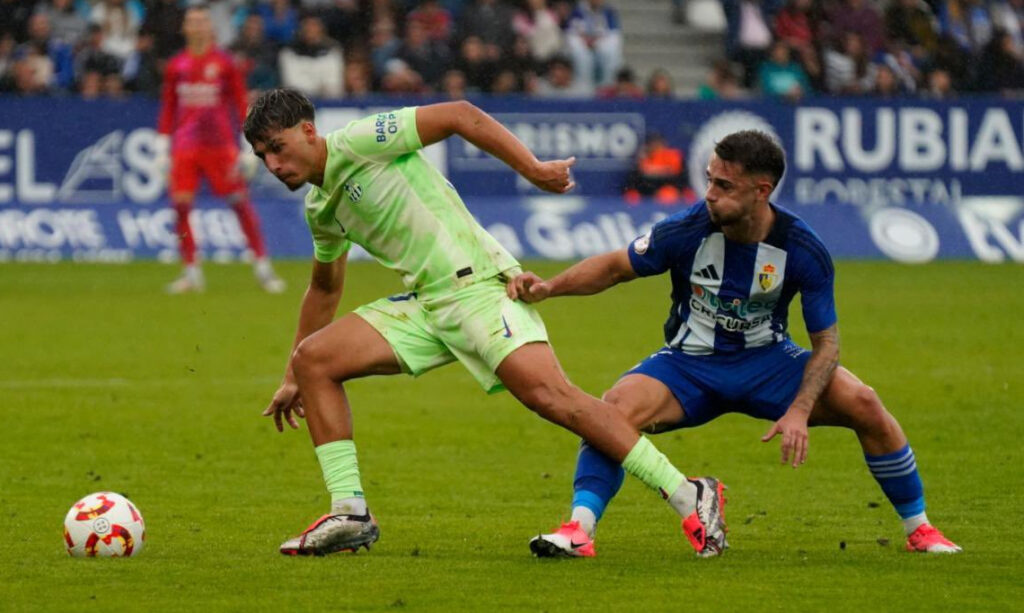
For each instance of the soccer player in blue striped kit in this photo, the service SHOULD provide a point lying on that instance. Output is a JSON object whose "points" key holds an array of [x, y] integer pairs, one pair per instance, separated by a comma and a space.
{"points": [[736, 262]]}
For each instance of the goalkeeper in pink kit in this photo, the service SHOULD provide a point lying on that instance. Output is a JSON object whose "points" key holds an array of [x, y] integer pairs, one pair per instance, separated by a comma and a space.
{"points": [[203, 104]]}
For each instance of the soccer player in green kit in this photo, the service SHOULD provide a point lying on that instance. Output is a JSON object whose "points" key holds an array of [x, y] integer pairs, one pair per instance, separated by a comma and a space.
{"points": [[372, 186]]}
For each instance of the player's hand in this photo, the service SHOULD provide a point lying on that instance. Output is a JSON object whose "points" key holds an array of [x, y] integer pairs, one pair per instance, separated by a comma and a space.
{"points": [[552, 176], [162, 154], [286, 404], [527, 287], [793, 428]]}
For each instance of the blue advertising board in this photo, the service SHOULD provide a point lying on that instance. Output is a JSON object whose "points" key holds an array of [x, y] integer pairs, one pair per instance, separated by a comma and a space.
{"points": [[907, 180]]}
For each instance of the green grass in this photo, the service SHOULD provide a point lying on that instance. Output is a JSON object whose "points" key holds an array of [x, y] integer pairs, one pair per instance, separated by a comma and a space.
{"points": [[105, 383]]}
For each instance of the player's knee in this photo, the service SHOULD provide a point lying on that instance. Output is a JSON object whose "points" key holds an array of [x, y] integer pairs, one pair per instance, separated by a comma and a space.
{"points": [[307, 360], [869, 410], [627, 406]]}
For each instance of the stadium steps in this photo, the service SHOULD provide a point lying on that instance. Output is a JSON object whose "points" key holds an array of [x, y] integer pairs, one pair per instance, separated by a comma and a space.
{"points": [[653, 41]]}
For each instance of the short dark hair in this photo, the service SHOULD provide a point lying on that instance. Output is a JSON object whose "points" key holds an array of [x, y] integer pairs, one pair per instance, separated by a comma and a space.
{"points": [[756, 151], [275, 110]]}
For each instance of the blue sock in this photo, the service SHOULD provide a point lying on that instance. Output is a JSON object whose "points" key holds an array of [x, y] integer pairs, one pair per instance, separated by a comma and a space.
{"points": [[598, 479], [896, 472]]}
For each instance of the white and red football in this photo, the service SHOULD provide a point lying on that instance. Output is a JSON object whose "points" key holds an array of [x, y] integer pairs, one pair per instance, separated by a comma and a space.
{"points": [[104, 524]]}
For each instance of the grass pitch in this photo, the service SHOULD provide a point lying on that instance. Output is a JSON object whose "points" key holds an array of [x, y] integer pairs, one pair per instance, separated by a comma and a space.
{"points": [[108, 384]]}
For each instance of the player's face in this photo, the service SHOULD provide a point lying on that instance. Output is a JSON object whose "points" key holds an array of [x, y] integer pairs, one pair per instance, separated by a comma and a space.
{"points": [[732, 194], [197, 26], [289, 154]]}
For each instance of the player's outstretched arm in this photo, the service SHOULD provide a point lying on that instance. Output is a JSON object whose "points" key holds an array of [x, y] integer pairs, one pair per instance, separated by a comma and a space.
{"points": [[591, 276], [436, 122], [318, 308], [817, 374]]}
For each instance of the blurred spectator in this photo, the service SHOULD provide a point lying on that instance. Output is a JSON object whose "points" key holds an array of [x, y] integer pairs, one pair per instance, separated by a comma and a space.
{"points": [[93, 62], [780, 77], [1009, 15], [520, 60], [507, 81], [67, 18], [594, 40], [57, 54], [559, 81], [475, 64], [280, 21], [797, 25], [384, 45], [120, 23], [912, 23], [426, 56], [163, 24], [434, 19], [886, 84], [747, 35], [227, 17], [658, 172], [660, 85], [7, 46], [967, 22], [400, 79], [347, 21], [903, 64], [32, 72], [849, 70], [625, 86], [14, 15], [1003, 68], [858, 17], [491, 22], [453, 84], [950, 57], [539, 26], [255, 56], [722, 82], [939, 85], [143, 71], [313, 64], [358, 78]]}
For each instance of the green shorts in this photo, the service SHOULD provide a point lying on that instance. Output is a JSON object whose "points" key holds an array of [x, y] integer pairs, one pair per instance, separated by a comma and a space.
{"points": [[477, 325]]}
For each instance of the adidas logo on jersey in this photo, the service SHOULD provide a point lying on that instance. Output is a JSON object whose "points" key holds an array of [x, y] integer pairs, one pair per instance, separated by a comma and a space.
{"points": [[708, 272]]}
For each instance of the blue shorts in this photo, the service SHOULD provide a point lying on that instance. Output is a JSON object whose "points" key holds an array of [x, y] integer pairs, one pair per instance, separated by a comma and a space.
{"points": [[760, 382]]}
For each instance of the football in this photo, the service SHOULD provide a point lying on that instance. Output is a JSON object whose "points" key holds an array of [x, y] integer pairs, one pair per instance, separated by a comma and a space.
{"points": [[104, 524]]}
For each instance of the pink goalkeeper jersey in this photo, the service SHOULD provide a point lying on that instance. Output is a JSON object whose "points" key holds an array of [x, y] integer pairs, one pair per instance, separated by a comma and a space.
{"points": [[203, 100]]}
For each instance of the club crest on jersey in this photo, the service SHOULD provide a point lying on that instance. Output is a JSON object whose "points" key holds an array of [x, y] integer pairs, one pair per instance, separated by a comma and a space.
{"points": [[210, 72], [641, 244], [767, 277], [354, 191]]}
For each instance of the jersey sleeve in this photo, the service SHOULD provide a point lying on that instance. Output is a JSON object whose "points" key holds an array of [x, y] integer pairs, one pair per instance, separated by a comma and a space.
{"points": [[168, 101], [650, 254], [817, 285], [329, 243], [384, 136]]}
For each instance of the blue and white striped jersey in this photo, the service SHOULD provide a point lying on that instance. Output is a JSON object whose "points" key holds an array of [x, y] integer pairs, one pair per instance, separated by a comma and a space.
{"points": [[729, 296]]}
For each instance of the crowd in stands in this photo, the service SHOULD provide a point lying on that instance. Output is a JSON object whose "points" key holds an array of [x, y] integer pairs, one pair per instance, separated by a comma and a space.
{"points": [[541, 48], [886, 48]]}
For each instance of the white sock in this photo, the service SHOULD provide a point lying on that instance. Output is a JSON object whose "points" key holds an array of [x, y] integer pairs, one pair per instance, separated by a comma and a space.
{"points": [[262, 267], [356, 505], [587, 519], [913, 523], [684, 499], [193, 273]]}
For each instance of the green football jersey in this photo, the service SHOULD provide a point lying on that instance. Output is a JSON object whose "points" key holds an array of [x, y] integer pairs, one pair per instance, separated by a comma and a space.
{"points": [[381, 193]]}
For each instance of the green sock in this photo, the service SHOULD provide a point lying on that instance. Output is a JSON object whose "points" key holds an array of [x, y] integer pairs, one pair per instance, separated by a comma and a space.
{"points": [[646, 463], [341, 470]]}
